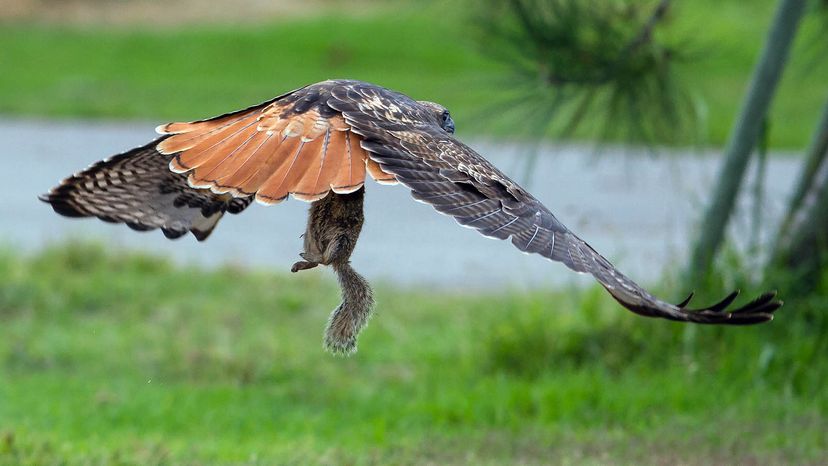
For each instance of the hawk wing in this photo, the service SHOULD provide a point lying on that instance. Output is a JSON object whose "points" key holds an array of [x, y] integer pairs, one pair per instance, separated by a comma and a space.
{"points": [[294, 144], [409, 142], [137, 188]]}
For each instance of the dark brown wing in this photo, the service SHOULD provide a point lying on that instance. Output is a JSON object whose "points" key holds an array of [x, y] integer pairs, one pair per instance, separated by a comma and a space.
{"points": [[137, 188], [407, 140]]}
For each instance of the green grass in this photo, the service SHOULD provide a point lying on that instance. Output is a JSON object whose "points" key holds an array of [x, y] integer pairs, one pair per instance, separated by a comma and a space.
{"points": [[127, 359], [202, 71], [198, 71]]}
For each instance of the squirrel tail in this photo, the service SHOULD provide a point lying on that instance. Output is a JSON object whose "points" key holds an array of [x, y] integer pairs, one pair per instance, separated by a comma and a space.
{"points": [[352, 314]]}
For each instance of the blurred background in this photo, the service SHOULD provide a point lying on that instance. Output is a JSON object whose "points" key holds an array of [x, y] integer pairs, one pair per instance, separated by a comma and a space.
{"points": [[686, 141]]}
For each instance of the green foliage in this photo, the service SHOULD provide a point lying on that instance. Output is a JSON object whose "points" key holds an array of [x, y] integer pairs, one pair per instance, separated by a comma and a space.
{"points": [[127, 359], [200, 71], [574, 61], [530, 342], [656, 71]]}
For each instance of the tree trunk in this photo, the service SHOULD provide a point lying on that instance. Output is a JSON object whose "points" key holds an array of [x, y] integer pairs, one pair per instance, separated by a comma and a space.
{"points": [[763, 85], [803, 235], [815, 158], [805, 251]]}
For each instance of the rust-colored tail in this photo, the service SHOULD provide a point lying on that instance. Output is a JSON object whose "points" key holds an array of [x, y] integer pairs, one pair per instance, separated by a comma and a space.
{"points": [[271, 152]]}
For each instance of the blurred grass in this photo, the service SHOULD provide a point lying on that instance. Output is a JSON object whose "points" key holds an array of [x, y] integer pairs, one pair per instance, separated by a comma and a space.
{"points": [[422, 49], [127, 359], [204, 70]]}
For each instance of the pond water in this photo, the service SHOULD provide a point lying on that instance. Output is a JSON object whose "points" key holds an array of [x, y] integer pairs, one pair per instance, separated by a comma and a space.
{"points": [[637, 209]]}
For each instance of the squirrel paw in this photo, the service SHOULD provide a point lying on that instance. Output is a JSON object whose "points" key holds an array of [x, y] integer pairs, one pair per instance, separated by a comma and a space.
{"points": [[303, 265]]}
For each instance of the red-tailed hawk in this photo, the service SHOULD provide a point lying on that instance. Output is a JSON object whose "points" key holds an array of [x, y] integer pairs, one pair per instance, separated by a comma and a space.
{"points": [[316, 144]]}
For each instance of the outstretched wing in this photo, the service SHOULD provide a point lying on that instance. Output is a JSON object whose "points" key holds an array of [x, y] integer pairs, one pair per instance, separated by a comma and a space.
{"points": [[294, 144], [408, 142], [137, 188]]}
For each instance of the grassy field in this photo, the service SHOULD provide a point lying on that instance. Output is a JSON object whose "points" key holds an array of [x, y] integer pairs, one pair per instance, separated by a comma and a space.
{"points": [[192, 71], [125, 359], [118, 359]]}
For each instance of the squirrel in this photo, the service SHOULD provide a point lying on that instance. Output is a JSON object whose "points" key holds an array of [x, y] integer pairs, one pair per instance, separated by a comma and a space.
{"points": [[334, 224]]}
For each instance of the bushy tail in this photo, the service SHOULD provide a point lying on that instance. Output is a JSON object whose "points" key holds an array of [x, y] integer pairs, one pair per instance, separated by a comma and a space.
{"points": [[352, 314]]}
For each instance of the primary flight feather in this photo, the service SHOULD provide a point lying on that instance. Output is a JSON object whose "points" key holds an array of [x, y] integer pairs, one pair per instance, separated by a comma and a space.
{"points": [[317, 144]]}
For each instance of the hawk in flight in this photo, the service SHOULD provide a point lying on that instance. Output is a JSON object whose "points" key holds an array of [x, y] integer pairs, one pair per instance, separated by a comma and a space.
{"points": [[317, 144]]}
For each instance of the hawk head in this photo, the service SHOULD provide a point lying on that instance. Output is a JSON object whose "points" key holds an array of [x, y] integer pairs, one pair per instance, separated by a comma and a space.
{"points": [[442, 113]]}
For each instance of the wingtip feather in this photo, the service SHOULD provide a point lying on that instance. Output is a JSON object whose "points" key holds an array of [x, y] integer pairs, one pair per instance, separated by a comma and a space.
{"points": [[686, 300], [723, 304]]}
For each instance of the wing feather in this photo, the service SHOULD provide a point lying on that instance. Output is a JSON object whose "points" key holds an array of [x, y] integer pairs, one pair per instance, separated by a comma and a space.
{"points": [[351, 173], [195, 151], [275, 187], [332, 157], [246, 174], [295, 144], [138, 189], [406, 140], [305, 186]]}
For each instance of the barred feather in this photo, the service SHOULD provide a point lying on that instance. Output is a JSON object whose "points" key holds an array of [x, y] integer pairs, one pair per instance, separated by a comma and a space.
{"points": [[138, 189]]}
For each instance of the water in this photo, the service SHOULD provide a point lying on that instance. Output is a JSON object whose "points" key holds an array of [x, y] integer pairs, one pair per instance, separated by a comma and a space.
{"points": [[637, 210]]}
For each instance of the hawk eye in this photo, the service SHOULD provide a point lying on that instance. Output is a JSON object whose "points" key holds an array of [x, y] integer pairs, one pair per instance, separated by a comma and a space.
{"points": [[447, 123]]}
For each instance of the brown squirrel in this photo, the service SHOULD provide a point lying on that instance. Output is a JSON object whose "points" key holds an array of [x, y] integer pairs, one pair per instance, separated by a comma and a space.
{"points": [[334, 224]]}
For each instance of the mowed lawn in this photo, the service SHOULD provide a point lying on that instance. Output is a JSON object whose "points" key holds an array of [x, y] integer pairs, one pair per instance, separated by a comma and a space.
{"points": [[425, 49], [125, 359]]}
